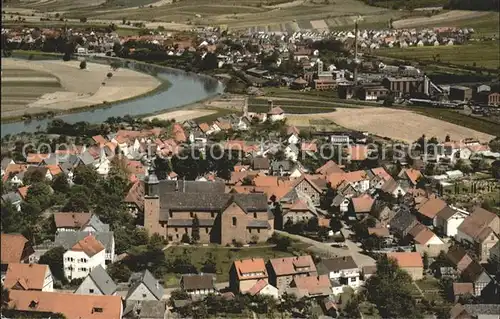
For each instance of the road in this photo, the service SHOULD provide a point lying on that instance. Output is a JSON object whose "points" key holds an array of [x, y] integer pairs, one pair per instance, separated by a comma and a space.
{"points": [[326, 249]]}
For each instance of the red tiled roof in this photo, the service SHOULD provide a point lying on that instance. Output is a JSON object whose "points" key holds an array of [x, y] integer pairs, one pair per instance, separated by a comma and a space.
{"points": [[261, 284], [255, 266], [407, 259], [314, 285], [89, 245], [329, 168], [431, 207], [292, 265], [36, 158], [72, 306], [358, 152], [12, 247], [71, 220], [29, 276], [363, 203]]}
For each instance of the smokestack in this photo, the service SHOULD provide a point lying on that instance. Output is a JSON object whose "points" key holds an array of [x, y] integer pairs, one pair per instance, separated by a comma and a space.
{"points": [[356, 53], [270, 103]]}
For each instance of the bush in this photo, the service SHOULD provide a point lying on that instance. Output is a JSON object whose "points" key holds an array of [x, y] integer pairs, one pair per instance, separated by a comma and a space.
{"points": [[185, 238], [237, 243], [83, 20], [109, 75], [83, 65]]}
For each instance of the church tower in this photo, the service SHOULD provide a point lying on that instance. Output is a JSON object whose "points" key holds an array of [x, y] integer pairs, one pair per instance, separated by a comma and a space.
{"points": [[152, 202]]}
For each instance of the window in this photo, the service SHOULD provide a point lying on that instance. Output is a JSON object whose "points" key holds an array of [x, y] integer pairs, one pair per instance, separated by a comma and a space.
{"points": [[250, 230], [170, 214], [144, 295], [91, 291], [258, 230], [186, 230], [234, 221], [212, 215], [206, 230], [254, 215], [96, 309], [191, 214], [175, 229]]}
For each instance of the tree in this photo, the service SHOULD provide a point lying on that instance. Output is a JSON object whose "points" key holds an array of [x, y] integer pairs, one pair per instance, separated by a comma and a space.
{"points": [[195, 232], [495, 169], [391, 290], [54, 259], [5, 297], [60, 184], [463, 166], [335, 224], [447, 138], [35, 176], [425, 260], [83, 65], [209, 265], [109, 75], [115, 65], [119, 272], [185, 238], [83, 19]]}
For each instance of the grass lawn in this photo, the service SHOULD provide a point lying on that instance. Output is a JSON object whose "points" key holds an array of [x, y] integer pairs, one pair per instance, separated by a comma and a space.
{"points": [[292, 109], [483, 54], [430, 289], [224, 257]]}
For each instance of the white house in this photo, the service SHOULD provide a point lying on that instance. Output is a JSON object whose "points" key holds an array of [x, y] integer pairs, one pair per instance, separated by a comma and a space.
{"points": [[98, 282], [28, 277], [198, 284], [262, 287], [102, 165], [343, 271], [291, 152], [449, 219], [276, 114], [144, 287], [83, 257], [293, 138]]}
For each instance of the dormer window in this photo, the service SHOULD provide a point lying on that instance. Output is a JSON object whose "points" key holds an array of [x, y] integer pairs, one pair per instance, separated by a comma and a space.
{"points": [[97, 309], [33, 304]]}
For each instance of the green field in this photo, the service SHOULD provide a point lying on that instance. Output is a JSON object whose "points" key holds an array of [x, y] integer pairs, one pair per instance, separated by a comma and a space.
{"points": [[224, 257], [482, 54]]}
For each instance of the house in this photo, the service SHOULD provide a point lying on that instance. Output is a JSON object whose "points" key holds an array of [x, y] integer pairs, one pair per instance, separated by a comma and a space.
{"points": [[428, 210], [411, 175], [244, 274], [72, 306], [449, 219], [281, 168], [495, 254], [282, 270], [341, 204], [276, 114], [86, 222], [462, 288], [342, 270], [481, 229], [201, 284], [310, 286], [361, 206], [144, 286], [307, 186], [392, 188], [264, 288], [145, 309], [98, 282], [475, 311], [224, 217], [459, 258], [15, 248], [28, 277], [480, 279], [411, 262], [13, 198], [260, 164], [402, 223], [69, 238], [83, 257], [426, 241], [329, 168]]}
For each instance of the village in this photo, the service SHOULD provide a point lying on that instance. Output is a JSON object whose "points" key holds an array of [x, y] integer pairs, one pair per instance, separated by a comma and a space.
{"points": [[262, 201], [275, 225]]}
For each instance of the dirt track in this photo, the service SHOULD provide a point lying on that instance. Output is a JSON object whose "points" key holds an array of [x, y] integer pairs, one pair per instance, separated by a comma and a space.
{"points": [[450, 17]]}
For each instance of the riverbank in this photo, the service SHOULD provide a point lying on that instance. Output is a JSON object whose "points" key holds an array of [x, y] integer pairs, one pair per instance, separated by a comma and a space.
{"points": [[78, 89]]}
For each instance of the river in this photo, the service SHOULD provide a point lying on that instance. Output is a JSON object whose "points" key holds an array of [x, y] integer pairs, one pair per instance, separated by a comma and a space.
{"points": [[185, 88]]}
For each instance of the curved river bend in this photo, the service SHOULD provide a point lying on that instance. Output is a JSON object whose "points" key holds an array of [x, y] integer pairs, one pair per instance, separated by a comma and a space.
{"points": [[185, 88]]}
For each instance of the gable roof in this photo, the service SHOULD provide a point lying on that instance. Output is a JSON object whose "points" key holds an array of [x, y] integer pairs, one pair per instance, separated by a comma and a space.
{"points": [[12, 247], [103, 281], [70, 305], [476, 224], [71, 220], [250, 266], [259, 285], [431, 207], [68, 239], [29, 276], [313, 285], [337, 264], [363, 203], [195, 281], [89, 245], [411, 174], [146, 278], [292, 265], [407, 259], [421, 234], [446, 213]]}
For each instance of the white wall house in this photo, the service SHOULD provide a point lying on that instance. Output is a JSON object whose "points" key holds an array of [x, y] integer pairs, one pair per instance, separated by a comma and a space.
{"points": [[98, 282], [83, 257], [449, 219], [343, 271]]}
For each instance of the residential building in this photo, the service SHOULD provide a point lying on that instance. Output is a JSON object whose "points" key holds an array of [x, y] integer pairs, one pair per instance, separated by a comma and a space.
{"points": [[481, 229], [402, 222], [475, 311], [144, 286], [361, 206], [244, 274], [373, 93], [276, 114], [72, 306], [411, 262], [481, 280], [69, 238], [201, 284], [342, 270], [98, 282], [462, 288], [495, 254], [15, 248], [282, 270], [145, 309], [223, 218], [310, 286], [264, 288], [28, 277], [449, 219], [459, 258], [83, 257], [86, 222], [428, 210]]}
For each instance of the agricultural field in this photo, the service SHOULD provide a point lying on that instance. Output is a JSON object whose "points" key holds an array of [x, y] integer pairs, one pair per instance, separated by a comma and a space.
{"points": [[404, 125], [482, 54]]}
